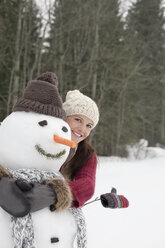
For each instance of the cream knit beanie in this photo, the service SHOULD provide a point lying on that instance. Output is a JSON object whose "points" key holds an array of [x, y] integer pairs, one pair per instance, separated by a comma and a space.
{"points": [[78, 103]]}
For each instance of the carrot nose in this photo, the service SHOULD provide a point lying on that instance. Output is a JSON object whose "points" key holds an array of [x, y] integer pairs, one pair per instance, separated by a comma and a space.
{"points": [[64, 141]]}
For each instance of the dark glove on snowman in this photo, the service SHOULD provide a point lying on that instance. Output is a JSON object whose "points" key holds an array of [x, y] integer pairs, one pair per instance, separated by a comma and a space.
{"points": [[54, 193], [38, 195], [112, 200], [12, 199]]}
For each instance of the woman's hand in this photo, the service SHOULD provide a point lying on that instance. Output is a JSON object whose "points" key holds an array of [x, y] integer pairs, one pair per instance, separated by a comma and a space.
{"points": [[112, 200]]}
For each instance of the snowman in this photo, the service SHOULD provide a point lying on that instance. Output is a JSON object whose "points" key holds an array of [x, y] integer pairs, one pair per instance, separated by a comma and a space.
{"points": [[35, 142]]}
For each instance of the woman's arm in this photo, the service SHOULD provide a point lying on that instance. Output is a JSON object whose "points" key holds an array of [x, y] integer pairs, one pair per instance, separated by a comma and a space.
{"points": [[83, 186]]}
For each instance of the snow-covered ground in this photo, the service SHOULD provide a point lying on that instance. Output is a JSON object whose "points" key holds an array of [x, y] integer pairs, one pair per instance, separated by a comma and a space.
{"points": [[142, 224]]}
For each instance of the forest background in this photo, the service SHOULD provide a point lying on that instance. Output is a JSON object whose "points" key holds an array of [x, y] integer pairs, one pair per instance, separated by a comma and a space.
{"points": [[118, 61]]}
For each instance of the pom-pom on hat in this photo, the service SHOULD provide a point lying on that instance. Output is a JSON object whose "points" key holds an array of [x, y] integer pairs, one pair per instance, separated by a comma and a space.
{"points": [[41, 96], [78, 103]]}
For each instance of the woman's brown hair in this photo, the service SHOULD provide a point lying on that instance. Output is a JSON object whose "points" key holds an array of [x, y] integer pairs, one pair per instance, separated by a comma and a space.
{"points": [[83, 152]]}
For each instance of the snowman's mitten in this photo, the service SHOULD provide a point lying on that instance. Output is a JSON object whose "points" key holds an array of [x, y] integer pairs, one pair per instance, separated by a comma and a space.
{"points": [[64, 194], [12, 199], [24, 185], [112, 200], [39, 195]]}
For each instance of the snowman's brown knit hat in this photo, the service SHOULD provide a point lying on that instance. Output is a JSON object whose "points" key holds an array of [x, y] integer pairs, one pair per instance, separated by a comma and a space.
{"points": [[41, 96]]}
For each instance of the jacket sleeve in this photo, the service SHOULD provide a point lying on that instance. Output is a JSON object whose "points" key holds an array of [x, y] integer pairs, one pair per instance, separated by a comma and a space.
{"points": [[83, 186]]}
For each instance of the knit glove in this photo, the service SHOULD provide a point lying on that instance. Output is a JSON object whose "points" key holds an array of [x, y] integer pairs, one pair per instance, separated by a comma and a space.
{"points": [[12, 199], [38, 195], [112, 200]]}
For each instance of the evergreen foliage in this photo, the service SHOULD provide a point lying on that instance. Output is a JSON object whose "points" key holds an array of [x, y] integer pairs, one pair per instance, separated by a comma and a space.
{"points": [[146, 25], [118, 63], [20, 30]]}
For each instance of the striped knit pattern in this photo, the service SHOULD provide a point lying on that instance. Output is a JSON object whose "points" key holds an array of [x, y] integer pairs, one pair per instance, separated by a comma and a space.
{"points": [[112, 200]]}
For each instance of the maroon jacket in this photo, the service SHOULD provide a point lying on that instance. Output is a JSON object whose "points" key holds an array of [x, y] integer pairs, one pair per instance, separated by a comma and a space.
{"points": [[83, 186]]}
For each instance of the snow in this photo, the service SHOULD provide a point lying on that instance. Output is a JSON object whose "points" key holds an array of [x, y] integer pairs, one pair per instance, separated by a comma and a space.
{"points": [[30, 144], [142, 224]]}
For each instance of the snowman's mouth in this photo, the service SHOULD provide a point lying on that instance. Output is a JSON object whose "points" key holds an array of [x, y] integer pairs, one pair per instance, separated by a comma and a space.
{"points": [[49, 155]]}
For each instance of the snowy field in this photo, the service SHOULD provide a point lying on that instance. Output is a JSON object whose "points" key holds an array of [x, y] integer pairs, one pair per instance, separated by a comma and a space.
{"points": [[142, 225]]}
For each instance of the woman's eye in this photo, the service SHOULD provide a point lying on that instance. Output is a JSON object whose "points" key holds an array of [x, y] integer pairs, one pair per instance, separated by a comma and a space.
{"points": [[77, 119], [89, 126], [43, 123]]}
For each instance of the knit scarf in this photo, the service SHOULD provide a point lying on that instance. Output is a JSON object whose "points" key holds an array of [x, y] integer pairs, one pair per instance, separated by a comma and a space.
{"points": [[22, 228]]}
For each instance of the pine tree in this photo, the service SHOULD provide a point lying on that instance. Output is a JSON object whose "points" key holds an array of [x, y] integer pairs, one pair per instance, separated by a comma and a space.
{"points": [[8, 22], [86, 52], [145, 32], [112, 59], [19, 44]]}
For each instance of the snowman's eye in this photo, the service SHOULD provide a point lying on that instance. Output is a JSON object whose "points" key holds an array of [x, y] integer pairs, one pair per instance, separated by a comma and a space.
{"points": [[65, 129], [54, 240], [43, 123]]}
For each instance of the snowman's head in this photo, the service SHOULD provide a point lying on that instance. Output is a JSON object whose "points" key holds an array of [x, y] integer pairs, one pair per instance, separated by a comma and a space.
{"points": [[35, 135], [27, 141]]}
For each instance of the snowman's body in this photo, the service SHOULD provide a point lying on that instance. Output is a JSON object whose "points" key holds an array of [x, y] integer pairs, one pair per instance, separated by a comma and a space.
{"points": [[48, 226], [21, 134]]}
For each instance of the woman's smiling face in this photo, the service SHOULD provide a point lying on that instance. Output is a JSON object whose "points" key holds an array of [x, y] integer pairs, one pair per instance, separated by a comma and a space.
{"points": [[80, 126]]}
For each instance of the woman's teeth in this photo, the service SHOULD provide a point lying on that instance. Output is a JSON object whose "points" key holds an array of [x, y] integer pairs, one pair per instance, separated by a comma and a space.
{"points": [[77, 134]]}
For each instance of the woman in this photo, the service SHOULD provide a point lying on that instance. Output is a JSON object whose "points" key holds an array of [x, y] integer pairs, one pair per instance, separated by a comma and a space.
{"points": [[80, 168]]}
